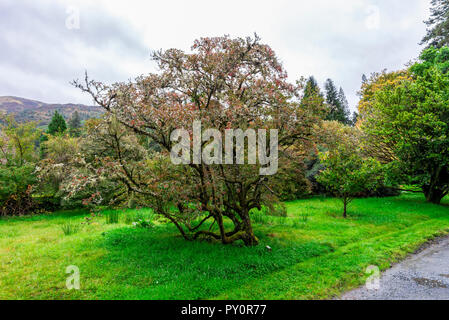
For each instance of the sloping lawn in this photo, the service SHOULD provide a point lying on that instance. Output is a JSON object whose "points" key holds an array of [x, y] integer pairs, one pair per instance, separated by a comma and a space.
{"points": [[315, 253]]}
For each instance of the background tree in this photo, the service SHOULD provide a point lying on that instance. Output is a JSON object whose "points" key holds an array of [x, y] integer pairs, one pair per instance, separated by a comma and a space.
{"points": [[17, 164], [410, 115], [364, 78], [337, 103], [225, 83], [343, 101], [438, 25], [42, 151], [354, 118], [75, 125], [17, 141], [349, 119], [312, 96], [57, 124], [347, 173], [373, 144], [56, 170], [311, 89], [70, 173]]}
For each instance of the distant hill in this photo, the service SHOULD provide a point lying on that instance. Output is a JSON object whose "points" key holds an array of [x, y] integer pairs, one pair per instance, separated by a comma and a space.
{"points": [[30, 110]]}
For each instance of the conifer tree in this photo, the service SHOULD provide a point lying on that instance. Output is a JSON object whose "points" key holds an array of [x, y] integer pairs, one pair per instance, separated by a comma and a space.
{"points": [[364, 78], [438, 25], [337, 103], [57, 124], [345, 106], [311, 88], [75, 124]]}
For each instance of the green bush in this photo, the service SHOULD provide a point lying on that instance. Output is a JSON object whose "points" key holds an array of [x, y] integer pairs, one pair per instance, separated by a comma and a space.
{"points": [[290, 183], [46, 202], [15, 189]]}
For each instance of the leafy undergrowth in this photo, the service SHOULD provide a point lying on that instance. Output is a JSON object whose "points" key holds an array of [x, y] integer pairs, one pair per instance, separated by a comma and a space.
{"points": [[315, 253]]}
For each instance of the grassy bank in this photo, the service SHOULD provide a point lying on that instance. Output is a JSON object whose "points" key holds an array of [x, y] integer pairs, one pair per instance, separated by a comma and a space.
{"points": [[315, 253]]}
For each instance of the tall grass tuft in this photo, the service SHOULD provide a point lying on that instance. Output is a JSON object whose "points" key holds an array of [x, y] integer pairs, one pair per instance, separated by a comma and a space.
{"points": [[112, 217], [137, 215], [260, 217], [277, 210], [301, 222], [70, 228]]}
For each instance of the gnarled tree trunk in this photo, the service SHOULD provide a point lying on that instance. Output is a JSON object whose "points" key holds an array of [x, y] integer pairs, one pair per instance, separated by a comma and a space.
{"points": [[438, 187], [434, 195]]}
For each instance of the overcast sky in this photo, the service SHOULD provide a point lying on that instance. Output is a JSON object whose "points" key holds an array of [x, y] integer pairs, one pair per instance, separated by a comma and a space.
{"points": [[46, 44]]}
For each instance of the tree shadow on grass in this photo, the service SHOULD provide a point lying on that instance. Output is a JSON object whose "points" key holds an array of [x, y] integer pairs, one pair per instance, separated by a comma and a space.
{"points": [[159, 264]]}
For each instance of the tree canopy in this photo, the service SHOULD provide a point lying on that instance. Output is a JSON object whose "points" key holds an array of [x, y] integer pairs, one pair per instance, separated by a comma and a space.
{"points": [[347, 171], [408, 113]]}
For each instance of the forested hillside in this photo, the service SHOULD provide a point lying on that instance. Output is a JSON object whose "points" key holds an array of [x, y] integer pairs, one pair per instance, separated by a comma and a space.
{"points": [[30, 110]]}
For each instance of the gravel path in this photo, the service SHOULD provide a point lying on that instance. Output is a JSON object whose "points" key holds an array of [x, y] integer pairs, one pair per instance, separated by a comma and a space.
{"points": [[422, 276]]}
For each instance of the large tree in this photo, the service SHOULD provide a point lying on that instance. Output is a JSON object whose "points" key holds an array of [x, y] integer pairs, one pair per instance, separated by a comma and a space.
{"points": [[224, 83], [374, 144], [407, 113], [348, 172], [438, 25]]}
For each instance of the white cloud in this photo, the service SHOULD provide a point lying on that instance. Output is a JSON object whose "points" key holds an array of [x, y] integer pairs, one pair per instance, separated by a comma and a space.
{"points": [[338, 39]]}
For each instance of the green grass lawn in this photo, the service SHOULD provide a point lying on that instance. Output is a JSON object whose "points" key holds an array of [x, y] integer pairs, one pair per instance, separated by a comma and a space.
{"points": [[315, 253]]}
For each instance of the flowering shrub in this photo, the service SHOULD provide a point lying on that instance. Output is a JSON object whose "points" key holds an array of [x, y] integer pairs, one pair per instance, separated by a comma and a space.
{"points": [[223, 83]]}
